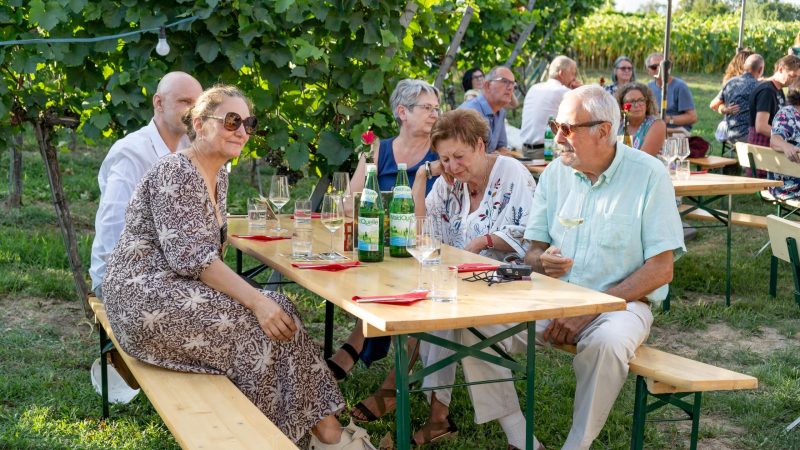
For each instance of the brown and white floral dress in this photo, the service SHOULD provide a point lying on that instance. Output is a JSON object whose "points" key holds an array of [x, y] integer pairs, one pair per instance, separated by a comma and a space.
{"points": [[162, 314]]}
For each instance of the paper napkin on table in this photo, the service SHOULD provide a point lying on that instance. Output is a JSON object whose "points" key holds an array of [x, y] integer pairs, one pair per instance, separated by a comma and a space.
{"points": [[393, 299]]}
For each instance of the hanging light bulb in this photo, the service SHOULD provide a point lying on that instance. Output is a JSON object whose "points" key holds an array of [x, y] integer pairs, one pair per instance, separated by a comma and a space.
{"points": [[162, 48]]}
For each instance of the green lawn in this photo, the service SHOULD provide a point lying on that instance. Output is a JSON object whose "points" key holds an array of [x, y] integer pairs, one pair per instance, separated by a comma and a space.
{"points": [[46, 346]]}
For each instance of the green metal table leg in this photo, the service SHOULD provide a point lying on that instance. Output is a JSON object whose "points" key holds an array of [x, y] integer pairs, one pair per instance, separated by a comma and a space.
{"points": [[639, 414], [403, 414], [773, 276], [530, 384], [104, 341], [695, 420], [728, 227]]}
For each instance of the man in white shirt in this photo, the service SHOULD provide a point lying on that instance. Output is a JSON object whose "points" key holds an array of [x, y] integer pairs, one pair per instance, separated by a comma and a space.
{"points": [[131, 157], [542, 101]]}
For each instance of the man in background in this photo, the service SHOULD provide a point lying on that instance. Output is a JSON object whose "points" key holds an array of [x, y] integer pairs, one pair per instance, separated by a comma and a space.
{"points": [[680, 103], [498, 93]]}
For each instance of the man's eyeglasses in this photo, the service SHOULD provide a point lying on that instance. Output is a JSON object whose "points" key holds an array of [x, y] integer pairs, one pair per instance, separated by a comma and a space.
{"points": [[653, 66], [625, 68], [506, 82], [428, 108], [567, 129], [232, 121]]}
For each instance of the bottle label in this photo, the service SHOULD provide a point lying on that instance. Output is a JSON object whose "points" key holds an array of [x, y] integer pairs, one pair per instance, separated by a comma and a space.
{"points": [[399, 229], [368, 196], [369, 237], [401, 192]]}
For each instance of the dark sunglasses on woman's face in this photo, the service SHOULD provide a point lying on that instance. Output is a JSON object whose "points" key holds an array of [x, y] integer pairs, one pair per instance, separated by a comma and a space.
{"points": [[567, 128], [232, 121]]}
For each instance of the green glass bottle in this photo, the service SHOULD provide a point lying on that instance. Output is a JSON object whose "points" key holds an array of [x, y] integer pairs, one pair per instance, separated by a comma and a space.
{"points": [[401, 214], [370, 219], [549, 139]]}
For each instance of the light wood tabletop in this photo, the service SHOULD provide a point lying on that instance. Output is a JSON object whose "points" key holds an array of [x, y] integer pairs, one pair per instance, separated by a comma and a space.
{"points": [[478, 303], [717, 184], [712, 162]]}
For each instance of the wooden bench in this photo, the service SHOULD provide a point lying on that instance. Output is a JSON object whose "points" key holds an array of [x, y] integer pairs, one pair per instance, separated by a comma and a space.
{"points": [[712, 162], [784, 236], [201, 411], [670, 378], [745, 220]]}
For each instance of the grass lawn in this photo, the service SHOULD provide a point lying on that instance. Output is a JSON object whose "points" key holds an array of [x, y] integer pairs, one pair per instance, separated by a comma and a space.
{"points": [[47, 347]]}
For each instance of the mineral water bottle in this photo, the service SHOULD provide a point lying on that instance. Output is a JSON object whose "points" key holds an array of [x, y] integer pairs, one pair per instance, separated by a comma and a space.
{"points": [[401, 214], [370, 219], [548, 141]]}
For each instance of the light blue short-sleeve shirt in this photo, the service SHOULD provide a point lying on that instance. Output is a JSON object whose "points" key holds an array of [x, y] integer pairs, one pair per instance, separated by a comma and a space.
{"points": [[629, 215], [497, 122]]}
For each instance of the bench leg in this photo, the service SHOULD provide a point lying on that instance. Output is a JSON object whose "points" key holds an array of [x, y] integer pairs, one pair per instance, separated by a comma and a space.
{"points": [[403, 414], [695, 420], [773, 276], [105, 346], [530, 383], [639, 414]]}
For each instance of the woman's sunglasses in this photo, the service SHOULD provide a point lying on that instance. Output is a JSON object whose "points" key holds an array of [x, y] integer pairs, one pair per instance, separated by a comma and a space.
{"points": [[567, 129], [232, 121]]}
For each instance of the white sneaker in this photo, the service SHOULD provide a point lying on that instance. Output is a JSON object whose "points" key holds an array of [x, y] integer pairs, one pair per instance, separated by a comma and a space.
{"points": [[353, 438]]}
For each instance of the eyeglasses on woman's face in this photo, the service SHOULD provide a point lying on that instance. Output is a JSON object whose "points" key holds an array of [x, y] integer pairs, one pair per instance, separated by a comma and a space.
{"points": [[636, 102], [232, 121], [567, 129], [625, 68], [430, 109]]}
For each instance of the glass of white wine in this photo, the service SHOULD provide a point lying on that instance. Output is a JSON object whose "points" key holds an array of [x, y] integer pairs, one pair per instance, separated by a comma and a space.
{"points": [[332, 217], [425, 246], [279, 196], [570, 215]]}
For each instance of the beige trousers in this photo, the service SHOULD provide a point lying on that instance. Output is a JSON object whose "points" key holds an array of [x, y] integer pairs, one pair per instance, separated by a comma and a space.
{"points": [[605, 347]]}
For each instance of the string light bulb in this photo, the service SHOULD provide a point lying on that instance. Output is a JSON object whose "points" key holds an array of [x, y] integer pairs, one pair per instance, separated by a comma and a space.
{"points": [[162, 48]]}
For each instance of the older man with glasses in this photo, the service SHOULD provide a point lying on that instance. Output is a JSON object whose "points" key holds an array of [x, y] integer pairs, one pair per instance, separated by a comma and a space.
{"points": [[628, 236], [680, 103], [498, 93]]}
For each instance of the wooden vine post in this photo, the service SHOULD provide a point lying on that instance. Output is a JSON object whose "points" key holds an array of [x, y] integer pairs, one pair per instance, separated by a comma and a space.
{"points": [[43, 127], [15, 173], [450, 56]]}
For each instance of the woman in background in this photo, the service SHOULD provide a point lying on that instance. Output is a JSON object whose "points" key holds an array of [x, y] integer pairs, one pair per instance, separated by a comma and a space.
{"points": [[647, 130]]}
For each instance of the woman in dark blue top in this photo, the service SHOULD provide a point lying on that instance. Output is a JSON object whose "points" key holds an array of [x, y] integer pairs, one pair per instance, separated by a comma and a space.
{"points": [[415, 106]]}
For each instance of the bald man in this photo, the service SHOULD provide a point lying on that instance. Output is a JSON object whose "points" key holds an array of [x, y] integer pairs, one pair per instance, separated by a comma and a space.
{"points": [[131, 157]]}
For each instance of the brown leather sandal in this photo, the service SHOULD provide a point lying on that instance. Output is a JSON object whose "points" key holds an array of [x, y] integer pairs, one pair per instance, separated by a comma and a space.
{"points": [[427, 432], [380, 400]]}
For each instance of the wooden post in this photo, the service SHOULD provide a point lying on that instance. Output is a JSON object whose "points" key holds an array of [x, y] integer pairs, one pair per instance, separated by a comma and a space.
{"points": [[15, 173], [44, 127], [449, 57]]}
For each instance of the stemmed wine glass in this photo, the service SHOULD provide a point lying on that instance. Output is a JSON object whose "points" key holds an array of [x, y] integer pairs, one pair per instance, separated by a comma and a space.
{"points": [[682, 151], [341, 186], [425, 245], [570, 215], [332, 217], [279, 196], [667, 154]]}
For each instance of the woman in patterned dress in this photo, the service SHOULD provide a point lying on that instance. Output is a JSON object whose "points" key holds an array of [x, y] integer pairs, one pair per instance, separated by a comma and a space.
{"points": [[647, 131], [172, 301], [481, 204], [786, 139]]}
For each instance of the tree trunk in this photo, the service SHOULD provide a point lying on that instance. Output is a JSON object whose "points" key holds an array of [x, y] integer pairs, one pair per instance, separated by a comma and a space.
{"points": [[449, 57], [43, 136], [522, 38], [15, 173]]}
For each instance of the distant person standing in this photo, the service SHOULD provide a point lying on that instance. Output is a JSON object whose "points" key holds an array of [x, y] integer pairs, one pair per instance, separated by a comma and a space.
{"points": [[542, 101], [767, 98], [680, 103], [733, 100], [498, 93]]}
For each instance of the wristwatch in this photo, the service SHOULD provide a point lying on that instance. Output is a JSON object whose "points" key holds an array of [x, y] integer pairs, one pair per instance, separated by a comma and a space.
{"points": [[671, 120]]}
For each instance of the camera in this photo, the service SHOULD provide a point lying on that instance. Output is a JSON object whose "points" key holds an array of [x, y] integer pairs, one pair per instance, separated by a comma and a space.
{"points": [[514, 271]]}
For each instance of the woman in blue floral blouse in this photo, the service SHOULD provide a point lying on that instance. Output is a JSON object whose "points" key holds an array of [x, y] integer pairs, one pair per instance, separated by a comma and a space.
{"points": [[786, 138]]}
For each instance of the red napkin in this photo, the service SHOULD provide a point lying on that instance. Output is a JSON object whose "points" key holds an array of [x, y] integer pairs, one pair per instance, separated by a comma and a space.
{"points": [[698, 172], [313, 216], [476, 267], [259, 237], [328, 267], [395, 299]]}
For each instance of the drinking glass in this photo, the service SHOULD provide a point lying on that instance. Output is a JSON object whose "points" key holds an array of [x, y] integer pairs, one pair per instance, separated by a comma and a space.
{"points": [[332, 217], [682, 148], [683, 170], [302, 213], [570, 216], [668, 154], [256, 212], [425, 245], [279, 196], [341, 186]]}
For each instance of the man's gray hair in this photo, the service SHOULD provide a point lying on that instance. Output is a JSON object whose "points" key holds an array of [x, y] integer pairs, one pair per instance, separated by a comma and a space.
{"points": [[600, 105], [406, 93], [493, 73], [560, 64], [653, 55]]}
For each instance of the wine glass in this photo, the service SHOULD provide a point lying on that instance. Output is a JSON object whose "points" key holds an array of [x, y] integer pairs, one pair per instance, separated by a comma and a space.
{"points": [[683, 150], [332, 217], [425, 245], [667, 154], [570, 215], [341, 186], [279, 196]]}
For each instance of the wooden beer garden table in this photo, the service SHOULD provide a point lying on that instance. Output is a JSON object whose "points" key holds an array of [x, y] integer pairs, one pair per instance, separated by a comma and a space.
{"points": [[478, 304]]}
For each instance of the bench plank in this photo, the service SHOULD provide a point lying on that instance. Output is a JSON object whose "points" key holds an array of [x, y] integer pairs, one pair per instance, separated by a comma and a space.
{"points": [[668, 373], [201, 411], [745, 220], [712, 162]]}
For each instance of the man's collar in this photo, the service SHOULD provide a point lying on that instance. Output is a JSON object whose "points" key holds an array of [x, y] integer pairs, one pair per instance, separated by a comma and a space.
{"points": [[486, 109]]}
